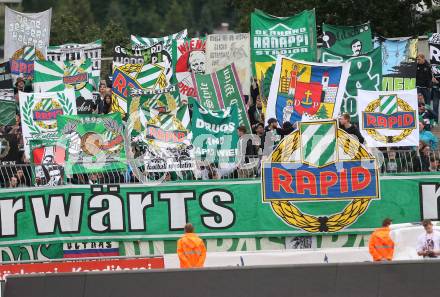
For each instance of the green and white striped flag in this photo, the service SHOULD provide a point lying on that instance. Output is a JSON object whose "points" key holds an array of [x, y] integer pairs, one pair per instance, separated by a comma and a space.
{"points": [[29, 53], [152, 76], [318, 143], [138, 42], [388, 104], [51, 76]]}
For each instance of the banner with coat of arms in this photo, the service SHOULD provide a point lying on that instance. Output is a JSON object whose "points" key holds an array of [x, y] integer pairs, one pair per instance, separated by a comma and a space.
{"points": [[399, 65], [77, 51], [224, 49], [26, 29], [22, 62], [365, 73], [77, 75], [347, 40], [159, 126], [220, 90], [189, 57], [151, 55], [94, 143], [305, 89], [39, 113], [389, 119]]}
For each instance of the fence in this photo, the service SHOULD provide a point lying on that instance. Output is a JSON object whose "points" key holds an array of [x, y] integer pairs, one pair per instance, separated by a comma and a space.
{"points": [[26, 175]]}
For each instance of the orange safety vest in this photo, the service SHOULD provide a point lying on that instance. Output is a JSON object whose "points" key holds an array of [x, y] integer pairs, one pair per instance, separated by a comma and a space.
{"points": [[191, 251], [381, 245]]}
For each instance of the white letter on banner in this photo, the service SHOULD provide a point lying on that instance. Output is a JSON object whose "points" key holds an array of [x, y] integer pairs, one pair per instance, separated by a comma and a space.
{"points": [[8, 211], [138, 202], [221, 216], [177, 210], [57, 214], [109, 214]]}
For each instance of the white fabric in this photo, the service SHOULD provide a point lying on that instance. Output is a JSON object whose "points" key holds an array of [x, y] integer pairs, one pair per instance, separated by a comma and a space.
{"points": [[26, 29], [409, 96]]}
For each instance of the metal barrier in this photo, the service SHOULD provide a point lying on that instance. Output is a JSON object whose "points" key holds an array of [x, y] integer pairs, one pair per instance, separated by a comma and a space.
{"points": [[26, 175]]}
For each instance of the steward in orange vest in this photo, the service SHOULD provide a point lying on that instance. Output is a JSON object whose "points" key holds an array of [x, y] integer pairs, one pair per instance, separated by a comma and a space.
{"points": [[381, 245], [191, 249]]}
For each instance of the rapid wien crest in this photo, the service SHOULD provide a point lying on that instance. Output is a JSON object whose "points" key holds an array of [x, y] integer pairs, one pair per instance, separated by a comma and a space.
{"points": [[319, 178]]}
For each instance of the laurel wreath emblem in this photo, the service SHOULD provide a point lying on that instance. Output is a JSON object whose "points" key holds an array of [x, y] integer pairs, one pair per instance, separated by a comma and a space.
{"points": [[389, 139], [292, 215], [28, 110]]}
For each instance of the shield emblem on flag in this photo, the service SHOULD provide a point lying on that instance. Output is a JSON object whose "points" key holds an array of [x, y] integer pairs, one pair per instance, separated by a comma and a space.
{"points": [[388, 104], [307, 97], [318, 143]]}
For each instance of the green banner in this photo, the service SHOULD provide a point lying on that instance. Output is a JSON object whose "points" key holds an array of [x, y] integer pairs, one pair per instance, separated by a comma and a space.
{"points": [[215, 135], [220, 90], [347, 40], [8, 110], [218, 209], [95, 143], [293, 37], [365, 73]]}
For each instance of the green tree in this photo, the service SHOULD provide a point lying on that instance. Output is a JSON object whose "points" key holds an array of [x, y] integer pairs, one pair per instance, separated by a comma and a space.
{"points": [[322, 112]]}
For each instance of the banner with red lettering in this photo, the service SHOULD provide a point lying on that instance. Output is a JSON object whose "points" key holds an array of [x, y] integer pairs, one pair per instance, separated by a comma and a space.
{"points": [[388, 119], [190, 58], [82, 266]]}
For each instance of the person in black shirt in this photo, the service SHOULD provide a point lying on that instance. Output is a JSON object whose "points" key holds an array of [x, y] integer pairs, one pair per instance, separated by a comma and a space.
{"points": [[347, 126], [424, 78]]}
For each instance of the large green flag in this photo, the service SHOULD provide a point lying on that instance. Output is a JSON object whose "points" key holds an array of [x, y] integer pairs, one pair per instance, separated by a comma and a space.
{"points": [[95, 143], [365, 73], [293, 37], [220, 90], [8, 110], [347, 40], [214, 133], [218, 209], [50, 76]]}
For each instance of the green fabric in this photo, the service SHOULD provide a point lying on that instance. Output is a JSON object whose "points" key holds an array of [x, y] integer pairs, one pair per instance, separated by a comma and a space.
{"points": [[218, 209], [340, 39], [95, 143], [365, 73], [7, 112]]}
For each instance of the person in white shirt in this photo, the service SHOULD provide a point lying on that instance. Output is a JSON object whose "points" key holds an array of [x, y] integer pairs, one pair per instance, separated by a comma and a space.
{"points": [[428, 244]]}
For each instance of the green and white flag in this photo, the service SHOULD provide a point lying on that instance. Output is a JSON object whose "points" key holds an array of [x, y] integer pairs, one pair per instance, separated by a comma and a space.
{"points": [[292, 37], [220, 90], [347, 40], [75, 52], [39, 113], [365, 73], [318, 143], [214, 133], [50, 76], [95, 143]]}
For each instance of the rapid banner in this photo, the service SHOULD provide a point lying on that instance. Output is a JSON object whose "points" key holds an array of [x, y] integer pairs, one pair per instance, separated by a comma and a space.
{"points": [[57, 76], [215, 134], [224, 49], [389, 119], [271, 36], [160, 127], [434, 53], [48, 157], [218, 209], [348, 40], [136, 76], [365, 73], [39, 112], [305, 89], [26, 29], [398, 63], [77, 51], [22, 62], [95, 143], [190, 57], [220, 90]]}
